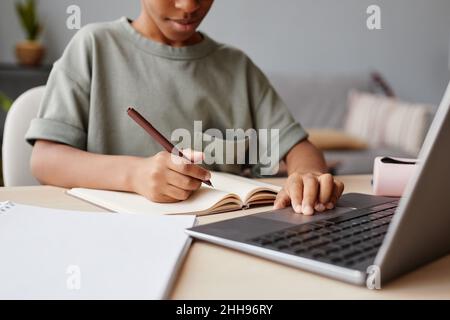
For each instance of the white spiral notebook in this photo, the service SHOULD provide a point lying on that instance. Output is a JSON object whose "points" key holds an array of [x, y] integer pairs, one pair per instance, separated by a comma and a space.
{"points": [[57, 254]]}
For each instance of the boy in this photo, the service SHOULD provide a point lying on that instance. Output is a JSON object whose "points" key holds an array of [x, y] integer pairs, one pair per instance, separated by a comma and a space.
{"points": [[83, 138]]}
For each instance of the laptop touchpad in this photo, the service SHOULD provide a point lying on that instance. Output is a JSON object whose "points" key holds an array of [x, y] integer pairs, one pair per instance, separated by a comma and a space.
{"points": [[290, 216], [346, 203]]}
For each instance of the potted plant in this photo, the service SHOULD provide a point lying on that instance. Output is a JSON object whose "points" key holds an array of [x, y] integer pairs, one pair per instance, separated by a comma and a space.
{"points": [[29, 52]]}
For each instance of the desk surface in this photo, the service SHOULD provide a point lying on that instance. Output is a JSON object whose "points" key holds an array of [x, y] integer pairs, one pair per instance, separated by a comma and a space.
{"points": [[213, 272]]}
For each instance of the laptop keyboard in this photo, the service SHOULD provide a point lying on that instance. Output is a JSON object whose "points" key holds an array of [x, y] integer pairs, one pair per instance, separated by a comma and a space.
{"points": [[351, 240]]}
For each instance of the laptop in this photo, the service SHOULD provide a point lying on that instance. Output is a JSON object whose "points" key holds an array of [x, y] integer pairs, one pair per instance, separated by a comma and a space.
{"points": [[366, 238]]}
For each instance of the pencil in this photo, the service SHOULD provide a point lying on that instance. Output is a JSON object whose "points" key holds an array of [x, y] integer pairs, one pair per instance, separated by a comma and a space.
{"points": [[155, 134]]}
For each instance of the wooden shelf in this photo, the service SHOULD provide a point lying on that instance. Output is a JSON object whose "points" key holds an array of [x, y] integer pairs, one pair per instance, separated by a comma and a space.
{"points": [[6, 67], [16, 79]]}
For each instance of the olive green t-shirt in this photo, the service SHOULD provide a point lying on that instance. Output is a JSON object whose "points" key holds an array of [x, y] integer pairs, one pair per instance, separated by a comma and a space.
{"points": [[110, 66]]}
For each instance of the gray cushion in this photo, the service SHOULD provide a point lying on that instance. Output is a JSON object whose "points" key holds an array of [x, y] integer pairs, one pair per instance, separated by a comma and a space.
{"points": [[319, 101]]}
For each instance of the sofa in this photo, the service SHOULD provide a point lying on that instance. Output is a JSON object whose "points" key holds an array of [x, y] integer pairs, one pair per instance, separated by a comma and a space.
{"points": [[321, 102]]}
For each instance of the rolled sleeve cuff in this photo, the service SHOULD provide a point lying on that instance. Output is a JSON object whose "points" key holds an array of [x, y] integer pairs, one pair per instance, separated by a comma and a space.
{"points": [[290, 137], [45, 129]]}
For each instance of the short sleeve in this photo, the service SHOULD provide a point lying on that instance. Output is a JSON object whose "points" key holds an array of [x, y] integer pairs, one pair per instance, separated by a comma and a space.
{"points": [[64, 109], [270, 112]]}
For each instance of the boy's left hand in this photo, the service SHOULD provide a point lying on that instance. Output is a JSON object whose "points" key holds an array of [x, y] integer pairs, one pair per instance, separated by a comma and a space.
{"points": [[309, 192]]}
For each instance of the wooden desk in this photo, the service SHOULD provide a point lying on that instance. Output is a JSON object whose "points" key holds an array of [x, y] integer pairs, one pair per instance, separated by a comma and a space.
{"points": [[213, 272]]}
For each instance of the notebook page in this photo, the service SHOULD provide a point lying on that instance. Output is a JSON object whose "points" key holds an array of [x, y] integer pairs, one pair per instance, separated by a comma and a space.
{"points": [[116, 256], [239, 185], [200, 202]]}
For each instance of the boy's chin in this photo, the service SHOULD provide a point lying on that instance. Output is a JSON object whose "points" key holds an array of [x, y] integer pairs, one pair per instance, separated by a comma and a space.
{"points": [[175, 36]]}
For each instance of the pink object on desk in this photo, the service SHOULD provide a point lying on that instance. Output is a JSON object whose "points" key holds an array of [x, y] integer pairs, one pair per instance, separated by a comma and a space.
{"points": [[391, 175]]}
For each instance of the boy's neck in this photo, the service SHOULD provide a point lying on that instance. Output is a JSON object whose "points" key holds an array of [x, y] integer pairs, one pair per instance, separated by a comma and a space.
{"points": [[146, 26]]}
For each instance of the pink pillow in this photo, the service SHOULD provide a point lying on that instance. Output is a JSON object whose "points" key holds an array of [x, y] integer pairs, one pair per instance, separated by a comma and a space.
{"points": [[387, 122]]}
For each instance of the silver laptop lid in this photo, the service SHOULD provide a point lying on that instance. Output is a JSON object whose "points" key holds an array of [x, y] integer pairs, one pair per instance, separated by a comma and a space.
{"points": [[420, 230]]}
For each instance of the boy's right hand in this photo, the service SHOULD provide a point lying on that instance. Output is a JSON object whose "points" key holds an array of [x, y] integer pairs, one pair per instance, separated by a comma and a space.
{"points": [[167, 178]]}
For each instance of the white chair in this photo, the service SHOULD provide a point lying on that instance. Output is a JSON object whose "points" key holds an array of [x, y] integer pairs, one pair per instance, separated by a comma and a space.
{"points": [[16, 151]]}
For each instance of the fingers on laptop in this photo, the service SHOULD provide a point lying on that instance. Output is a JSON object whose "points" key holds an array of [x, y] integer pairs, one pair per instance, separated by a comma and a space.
{"points": [[308, 193], [337, 191], [292, 193], [330, 190], [282, 200]]}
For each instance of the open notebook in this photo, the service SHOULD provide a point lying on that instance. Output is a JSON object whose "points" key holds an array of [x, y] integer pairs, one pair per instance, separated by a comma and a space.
{"points": [[230, 193]]}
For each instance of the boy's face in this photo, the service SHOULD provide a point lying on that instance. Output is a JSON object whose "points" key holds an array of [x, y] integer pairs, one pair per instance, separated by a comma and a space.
{"points": [[178, 20]]}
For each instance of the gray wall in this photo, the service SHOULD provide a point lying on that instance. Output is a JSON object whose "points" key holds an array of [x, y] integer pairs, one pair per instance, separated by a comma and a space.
{"points": [[295, 36]]}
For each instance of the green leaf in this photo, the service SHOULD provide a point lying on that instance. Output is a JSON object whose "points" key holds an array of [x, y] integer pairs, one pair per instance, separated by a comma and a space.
{"points": [[5, 102], [28, 18]]}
